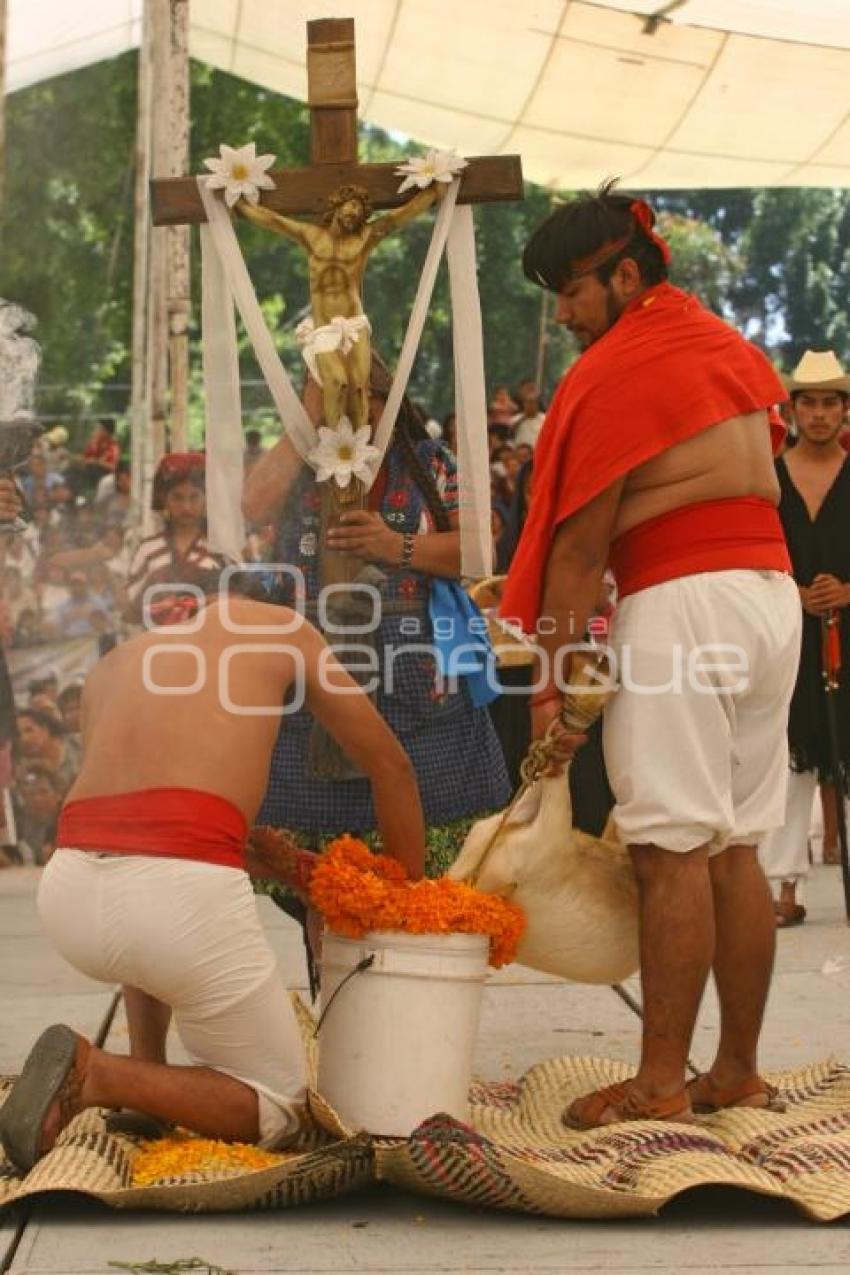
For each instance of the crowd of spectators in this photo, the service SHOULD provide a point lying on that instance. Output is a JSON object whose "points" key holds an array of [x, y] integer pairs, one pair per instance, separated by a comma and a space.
{"points": [[62, 589]]}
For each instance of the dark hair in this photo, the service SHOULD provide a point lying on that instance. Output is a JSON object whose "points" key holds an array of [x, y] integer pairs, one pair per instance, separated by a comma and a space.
{"points": [[409, 431], [342, 196], [823, 389], [170, 609], [123, 466], [109, 426], [253, 435], [70, 694], [515, 521], [173, 470], [36, 684], [583, 226], [44, 719]]}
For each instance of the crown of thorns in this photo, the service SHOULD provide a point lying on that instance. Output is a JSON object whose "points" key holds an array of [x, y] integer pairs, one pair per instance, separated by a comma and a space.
{"points": [[339, 197]]}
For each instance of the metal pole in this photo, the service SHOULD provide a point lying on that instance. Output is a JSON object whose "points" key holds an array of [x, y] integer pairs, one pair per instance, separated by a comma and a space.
{"points": [[637, 1009], [545, 320], [542, 340], [831, 667]]}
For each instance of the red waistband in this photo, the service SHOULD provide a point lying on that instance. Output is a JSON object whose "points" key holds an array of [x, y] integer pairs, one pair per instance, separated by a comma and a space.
{"points": [[177, 823], [714, 535]]}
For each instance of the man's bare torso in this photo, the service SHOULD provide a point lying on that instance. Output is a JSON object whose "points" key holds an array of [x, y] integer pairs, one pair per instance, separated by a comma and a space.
{"points": [[728, 460], [163, 710]]}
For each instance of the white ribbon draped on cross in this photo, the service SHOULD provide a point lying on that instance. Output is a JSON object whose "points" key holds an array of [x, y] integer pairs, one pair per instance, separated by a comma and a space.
{"points": [[225, 282]]}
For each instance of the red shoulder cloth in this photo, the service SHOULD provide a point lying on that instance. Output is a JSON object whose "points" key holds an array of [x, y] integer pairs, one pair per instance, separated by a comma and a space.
{"points": [[665, 371]]}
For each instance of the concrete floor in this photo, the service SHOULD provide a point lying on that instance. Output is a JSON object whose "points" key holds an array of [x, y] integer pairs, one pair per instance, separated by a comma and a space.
{"points": [[526, 1017]]}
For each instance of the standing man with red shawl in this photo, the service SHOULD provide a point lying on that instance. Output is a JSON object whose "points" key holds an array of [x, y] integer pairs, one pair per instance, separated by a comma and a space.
{"points": [[656, 458]]}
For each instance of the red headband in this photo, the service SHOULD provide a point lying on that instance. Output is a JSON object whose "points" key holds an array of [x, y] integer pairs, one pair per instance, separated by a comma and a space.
{"points": [[645, 218], [178, 466]]}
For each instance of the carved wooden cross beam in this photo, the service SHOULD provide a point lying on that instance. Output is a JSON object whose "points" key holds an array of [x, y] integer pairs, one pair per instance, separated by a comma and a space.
{"points": [[332, 98]]}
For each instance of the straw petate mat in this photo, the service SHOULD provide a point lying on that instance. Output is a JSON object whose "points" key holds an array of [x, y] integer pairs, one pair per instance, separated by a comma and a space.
{"points": [[514, 1154]]}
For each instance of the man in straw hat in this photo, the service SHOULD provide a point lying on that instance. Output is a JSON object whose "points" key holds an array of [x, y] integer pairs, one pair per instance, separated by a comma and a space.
{"points": [[148, 885], [656, 457], [815, 510]]}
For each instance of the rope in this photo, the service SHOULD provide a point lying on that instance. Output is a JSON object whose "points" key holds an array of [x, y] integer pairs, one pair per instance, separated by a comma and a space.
{"points": [[537, 761]]}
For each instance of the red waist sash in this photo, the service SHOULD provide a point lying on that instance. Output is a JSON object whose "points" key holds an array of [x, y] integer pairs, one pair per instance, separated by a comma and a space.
{"points": [[177, 823], [714, 535]]}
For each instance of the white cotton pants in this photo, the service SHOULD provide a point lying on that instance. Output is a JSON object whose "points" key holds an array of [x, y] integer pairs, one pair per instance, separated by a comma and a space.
{"points": [[189, 934], [784, 853], [695, 739]]}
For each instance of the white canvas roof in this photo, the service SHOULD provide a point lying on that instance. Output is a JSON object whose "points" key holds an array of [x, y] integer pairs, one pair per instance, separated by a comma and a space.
{"points": [[718, 93]]}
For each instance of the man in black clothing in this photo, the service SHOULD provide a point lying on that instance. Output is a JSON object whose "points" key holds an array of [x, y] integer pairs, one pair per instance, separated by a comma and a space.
{"points": [[814, 478]]}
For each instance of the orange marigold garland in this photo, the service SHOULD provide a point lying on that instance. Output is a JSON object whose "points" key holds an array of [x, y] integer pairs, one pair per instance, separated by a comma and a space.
{"points": [[357, 891]]}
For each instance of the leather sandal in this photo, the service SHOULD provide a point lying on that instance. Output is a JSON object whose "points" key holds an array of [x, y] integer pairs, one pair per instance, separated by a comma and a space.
{"points": [[587, 1112], [789, 915], [754, 1092], [45, 1097]]}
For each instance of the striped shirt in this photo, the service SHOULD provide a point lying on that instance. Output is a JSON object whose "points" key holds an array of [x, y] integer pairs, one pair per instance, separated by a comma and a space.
{"points": [[157, 557]]}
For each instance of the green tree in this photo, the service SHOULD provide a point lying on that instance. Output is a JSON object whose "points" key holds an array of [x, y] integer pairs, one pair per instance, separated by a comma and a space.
{"points": [[776, 262], [701, 262], [67, 226]]}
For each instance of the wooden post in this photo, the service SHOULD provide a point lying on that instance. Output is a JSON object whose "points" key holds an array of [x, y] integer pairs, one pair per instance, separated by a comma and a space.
{"points": [[3, 23], [161, 304], [158, 262], [332, 90], [140, 401], [332, 97], [178, 300]]}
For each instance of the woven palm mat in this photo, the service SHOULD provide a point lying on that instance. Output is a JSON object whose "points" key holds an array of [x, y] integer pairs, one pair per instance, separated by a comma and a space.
{"points": [[514, 1154]]}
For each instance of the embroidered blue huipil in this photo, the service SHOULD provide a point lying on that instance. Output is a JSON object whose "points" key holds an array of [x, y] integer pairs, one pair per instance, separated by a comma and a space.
{"points": [[452, 745]]}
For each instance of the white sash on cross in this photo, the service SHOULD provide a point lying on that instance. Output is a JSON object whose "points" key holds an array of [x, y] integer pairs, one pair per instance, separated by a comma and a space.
{"points": [[225, 280]]}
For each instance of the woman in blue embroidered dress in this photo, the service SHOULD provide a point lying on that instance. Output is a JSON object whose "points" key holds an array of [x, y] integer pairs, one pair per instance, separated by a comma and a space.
{"points": [[452, 744]]}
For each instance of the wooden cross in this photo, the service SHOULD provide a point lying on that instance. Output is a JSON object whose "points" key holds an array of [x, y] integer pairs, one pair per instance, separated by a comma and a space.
{"points": [[332, 99]]}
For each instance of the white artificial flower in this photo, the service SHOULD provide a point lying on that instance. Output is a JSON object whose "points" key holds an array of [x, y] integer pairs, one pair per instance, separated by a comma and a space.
{"points": [[436, 166], [342, 452], [240, 171]]}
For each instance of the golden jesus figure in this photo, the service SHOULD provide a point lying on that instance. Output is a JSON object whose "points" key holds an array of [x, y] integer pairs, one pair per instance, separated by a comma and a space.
{"points": [[337, 345]]}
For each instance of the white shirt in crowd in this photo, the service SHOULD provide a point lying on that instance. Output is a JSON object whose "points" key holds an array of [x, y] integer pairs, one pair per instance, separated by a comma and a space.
{"points": [[527, 428]]}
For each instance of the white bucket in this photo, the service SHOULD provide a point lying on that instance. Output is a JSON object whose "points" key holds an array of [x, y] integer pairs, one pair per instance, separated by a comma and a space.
{"points": [[396, 1045]]}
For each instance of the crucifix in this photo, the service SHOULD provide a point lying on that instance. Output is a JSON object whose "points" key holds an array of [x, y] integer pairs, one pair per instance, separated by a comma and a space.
{"points": [[327, 182]]}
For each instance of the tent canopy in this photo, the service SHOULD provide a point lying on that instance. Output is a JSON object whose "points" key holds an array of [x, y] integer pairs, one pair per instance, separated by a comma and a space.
{"points": [[663, 93]]}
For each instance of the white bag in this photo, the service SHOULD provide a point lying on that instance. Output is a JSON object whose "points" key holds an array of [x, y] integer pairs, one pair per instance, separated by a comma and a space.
{"points": [[578, 892]]}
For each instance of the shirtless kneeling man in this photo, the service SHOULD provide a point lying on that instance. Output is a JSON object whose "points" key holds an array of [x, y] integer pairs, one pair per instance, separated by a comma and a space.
{"points": [[148, 887]]}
